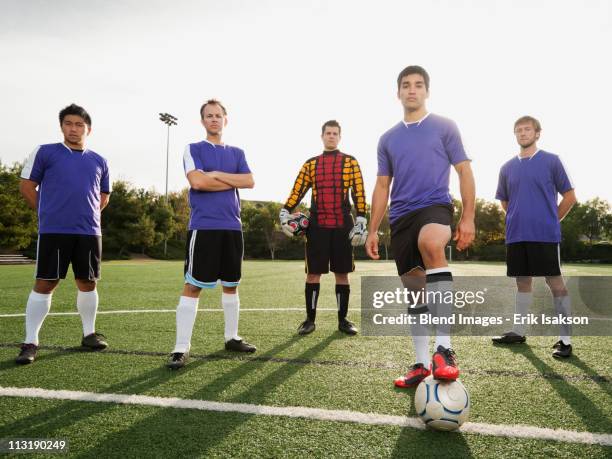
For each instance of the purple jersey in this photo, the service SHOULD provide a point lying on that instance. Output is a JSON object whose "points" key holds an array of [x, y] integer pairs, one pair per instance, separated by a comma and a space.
{"points": [[530, 186], [70, 183], [418, 156], [214, 209]]}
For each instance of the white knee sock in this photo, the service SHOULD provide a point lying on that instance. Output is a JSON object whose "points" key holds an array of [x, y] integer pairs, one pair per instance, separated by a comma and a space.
{"points": [[36, 310], [522, 305], [231, 311], [564, 308], [441, 280], [420, 340], [185, 318], [87, 305]]}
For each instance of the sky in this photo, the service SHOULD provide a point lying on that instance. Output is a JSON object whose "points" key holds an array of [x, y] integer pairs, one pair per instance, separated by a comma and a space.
{"points": [[284, 67]]}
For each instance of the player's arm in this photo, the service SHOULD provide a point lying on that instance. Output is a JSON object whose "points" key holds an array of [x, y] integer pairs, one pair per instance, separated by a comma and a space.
{"points": [[201, 181], [27, 188], [566, 204], [358, 234], [104, 198], [380, 198], [466, 230], [504, 205], [358, 190], [301, 185], [234, 180]]}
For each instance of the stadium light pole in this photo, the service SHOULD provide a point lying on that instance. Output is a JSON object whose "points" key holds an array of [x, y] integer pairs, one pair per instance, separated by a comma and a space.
{"points": [[169, 120]]}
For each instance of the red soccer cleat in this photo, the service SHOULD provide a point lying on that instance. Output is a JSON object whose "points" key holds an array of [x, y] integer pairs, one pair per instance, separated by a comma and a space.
{"points": [[444, 364], [412, 379]]}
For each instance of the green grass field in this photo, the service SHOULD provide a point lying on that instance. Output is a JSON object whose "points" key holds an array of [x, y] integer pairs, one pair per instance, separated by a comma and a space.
{"points": [[514, 386]]}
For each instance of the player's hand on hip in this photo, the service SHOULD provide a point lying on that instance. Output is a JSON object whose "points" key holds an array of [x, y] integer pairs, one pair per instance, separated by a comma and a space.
{"points": [[359, 233], [284, 216], [464, 235], [371, 246]]}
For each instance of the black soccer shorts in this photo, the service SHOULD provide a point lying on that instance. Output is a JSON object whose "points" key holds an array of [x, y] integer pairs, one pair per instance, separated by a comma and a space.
{"points": [[213, 255], [533, 259], [405, 235], [56, 251], [329, 249]]}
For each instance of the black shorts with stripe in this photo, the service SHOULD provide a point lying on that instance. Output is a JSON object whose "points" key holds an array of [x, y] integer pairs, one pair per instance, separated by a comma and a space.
{"points": [[533, 259], [329, 249], [55, 252], [405, 234], [213, 255]]}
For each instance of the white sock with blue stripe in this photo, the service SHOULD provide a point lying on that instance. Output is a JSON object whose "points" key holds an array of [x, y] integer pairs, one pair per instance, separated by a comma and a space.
{"points": [[185, 318], [231, 311]]}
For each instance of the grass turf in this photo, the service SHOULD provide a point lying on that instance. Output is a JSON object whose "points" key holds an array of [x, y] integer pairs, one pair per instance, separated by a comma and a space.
{"points": [[514, 385]]}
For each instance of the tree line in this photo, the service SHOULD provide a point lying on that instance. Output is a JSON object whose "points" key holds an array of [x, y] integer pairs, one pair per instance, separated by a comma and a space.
{"points": [[141, 221]]}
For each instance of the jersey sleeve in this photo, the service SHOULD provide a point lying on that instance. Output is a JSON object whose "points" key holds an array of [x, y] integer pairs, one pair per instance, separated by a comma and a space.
{"points": [[561, 178], [243, 167], [301, 186], [188, 162], [105, 182], [34, 167], [357, 189], [453, 145], [502, 189], [385, 167]]}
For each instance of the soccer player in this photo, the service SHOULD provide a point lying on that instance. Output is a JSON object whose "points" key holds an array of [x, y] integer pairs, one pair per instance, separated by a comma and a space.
{"points": [[415, 157], [331, 233], [68, 185], [528, 187], [215, 172]]}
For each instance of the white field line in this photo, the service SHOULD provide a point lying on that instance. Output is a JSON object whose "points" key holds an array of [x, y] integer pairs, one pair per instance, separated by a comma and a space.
{"points": [[146, 311], [497, 430]]}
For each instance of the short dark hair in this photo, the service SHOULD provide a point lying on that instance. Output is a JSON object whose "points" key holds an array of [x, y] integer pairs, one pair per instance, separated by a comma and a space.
{"points": [[74, 109], [330, 123], [212, 102], [411, 70], [528, 119]]}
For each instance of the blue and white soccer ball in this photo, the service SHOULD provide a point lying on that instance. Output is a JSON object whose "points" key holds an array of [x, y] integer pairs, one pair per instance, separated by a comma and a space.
{"points": [[442, 405]]}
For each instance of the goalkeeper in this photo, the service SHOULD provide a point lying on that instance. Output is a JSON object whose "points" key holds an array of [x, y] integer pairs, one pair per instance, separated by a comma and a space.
{"points": [[331, 233]]}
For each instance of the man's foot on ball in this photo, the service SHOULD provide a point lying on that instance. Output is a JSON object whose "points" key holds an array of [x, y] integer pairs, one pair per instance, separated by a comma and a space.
{"points": [[177, 360], [94, 341], [347, 327], [509, 338], [239, 345], [417, 373], [444, 364], [306, 327], [562, 350], [27, 354]]}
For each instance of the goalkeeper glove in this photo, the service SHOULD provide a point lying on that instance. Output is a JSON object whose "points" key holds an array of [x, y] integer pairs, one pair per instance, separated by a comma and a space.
{"points": [[284, 218], [359, 233]]}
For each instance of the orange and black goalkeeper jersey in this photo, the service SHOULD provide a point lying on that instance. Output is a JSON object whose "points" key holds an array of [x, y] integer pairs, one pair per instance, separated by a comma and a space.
{"points": [[330, 175]]}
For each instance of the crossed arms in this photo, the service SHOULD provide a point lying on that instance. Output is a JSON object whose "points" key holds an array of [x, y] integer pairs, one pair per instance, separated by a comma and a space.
{"points": [[218, 181]]}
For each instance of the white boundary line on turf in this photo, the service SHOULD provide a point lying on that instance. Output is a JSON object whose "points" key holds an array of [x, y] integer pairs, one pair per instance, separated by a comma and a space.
{"points": [[497, 430], [145, 311]]}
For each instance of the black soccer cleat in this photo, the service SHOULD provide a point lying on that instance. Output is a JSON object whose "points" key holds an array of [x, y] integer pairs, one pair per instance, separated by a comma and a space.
{"points": [[94, 341], [306, 327], [177, 360], [27, 354], [509, 338], [347, 327], [562, 350], [239, 345]]}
